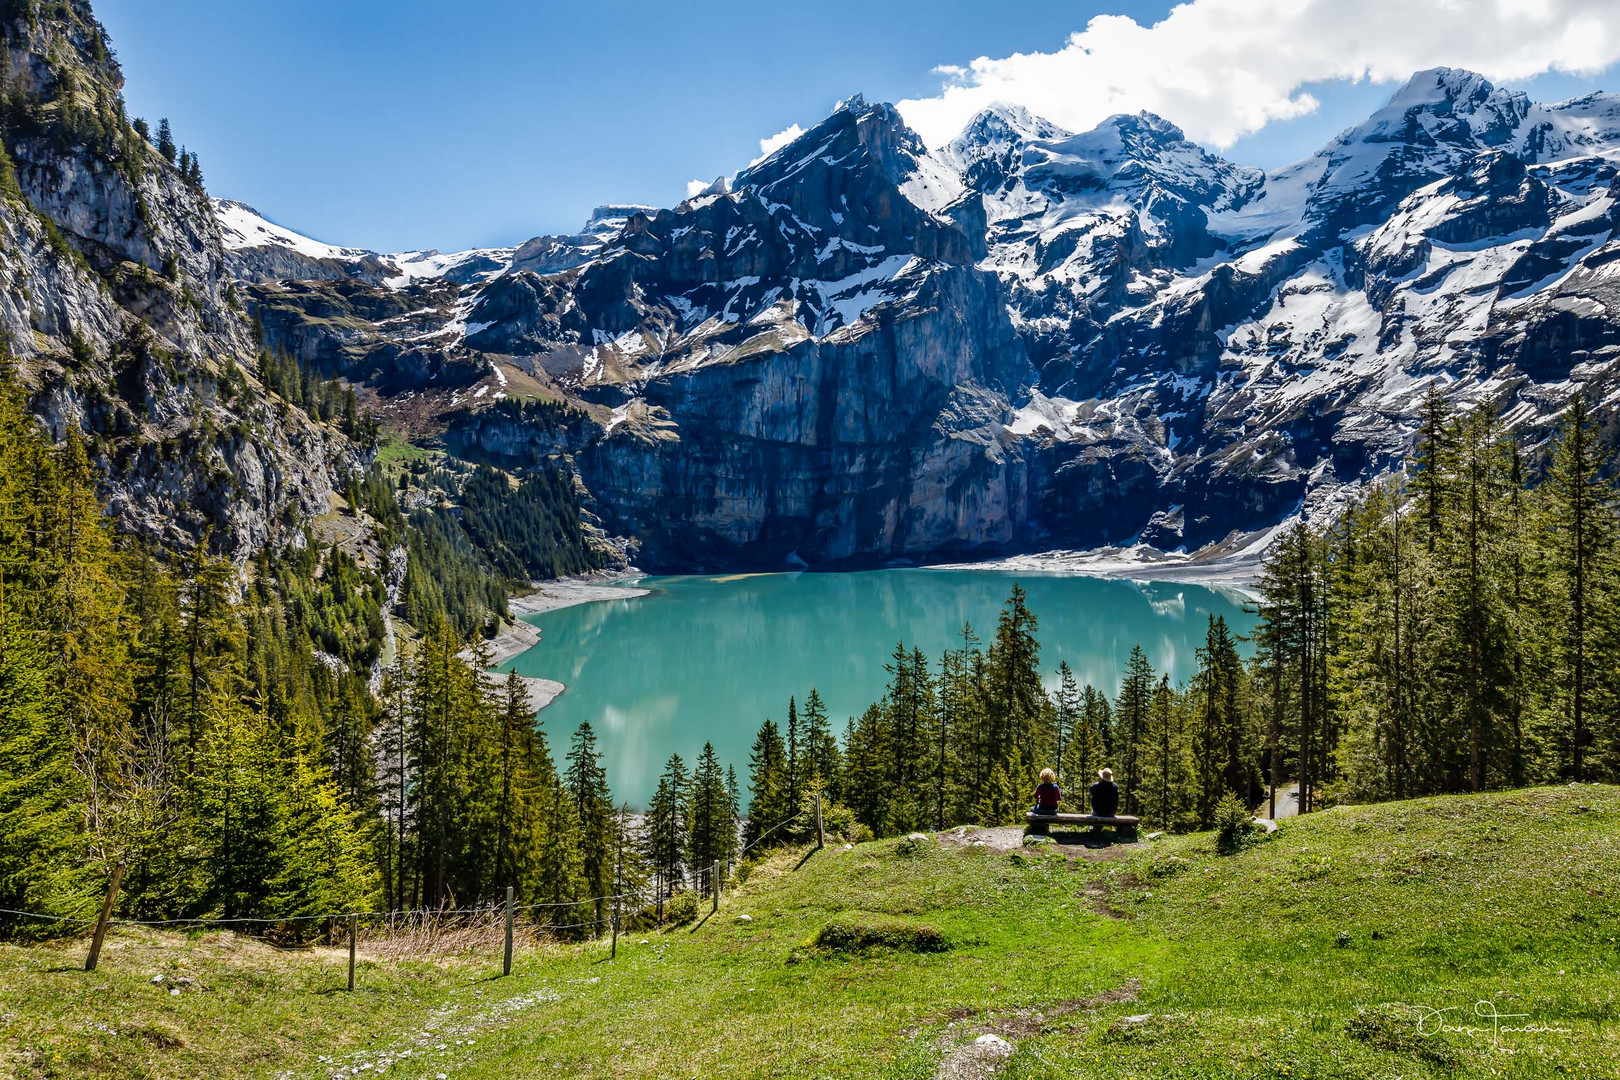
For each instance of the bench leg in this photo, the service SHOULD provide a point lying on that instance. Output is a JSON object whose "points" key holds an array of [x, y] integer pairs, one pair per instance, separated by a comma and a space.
{"points": [[1039, 828]]}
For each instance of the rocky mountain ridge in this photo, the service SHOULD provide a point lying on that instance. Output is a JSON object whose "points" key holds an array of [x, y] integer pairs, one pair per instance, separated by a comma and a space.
{"points": [[861, 350], [118, 313]]}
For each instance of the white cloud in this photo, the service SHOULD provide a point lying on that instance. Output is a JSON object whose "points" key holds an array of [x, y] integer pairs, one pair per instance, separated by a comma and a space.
{"points": [[769, 146], [695, 187], [1225, 68]]}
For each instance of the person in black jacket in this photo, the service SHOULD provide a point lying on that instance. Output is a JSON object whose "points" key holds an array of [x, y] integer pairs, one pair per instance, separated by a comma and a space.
{"points": [[1105, 794]]}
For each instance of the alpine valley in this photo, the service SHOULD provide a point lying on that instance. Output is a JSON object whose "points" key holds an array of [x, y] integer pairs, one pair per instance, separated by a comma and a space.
{"points": [[858, 350]]}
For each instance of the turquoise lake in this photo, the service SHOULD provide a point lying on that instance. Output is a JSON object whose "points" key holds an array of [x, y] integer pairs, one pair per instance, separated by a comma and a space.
{"points": [[708, 658]]}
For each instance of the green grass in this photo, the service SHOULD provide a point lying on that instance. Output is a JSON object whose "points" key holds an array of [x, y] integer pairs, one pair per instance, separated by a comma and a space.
{"points": [[1329, 950], [398, 451]]}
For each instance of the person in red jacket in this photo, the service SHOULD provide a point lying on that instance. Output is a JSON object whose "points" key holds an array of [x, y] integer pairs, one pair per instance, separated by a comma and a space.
{"points": [[1048, 795]]}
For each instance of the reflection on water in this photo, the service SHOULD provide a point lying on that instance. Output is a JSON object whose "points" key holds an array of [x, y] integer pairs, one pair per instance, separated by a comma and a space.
{"points": [[706, 659]]}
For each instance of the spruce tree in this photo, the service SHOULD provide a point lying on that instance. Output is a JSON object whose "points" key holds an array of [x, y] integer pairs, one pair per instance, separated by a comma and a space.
{"points": [[792, 766], [1577, 529], [1065, 718], [767, 785], [1131, 714], [1015, 697], [1294, 644], [41, 838], [587, 785], [709, 841], [165, 141], [668, 824], [823, 757]]}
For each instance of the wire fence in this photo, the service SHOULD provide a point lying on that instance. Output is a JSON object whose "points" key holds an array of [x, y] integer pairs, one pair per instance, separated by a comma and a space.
{"points": [[411, 931], [343, 916]]}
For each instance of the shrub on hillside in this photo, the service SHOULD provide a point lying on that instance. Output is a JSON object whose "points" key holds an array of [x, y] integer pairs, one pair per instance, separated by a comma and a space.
{"points": [[838, 822], [868, 933], [1234, 826], [682, 908]]}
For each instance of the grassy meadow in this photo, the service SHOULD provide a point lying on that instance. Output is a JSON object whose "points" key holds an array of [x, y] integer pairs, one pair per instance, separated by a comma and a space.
{"points": [[1443, 937]]}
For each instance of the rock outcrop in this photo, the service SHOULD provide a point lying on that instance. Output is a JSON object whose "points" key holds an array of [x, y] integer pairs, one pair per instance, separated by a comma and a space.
{"points": [[119, 313]]}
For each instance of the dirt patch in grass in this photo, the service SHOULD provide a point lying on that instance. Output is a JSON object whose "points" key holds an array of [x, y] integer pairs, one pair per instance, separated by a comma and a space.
{"points": [[1072, 843], [1100, 893], [1119, 995], [1026, 1022]]}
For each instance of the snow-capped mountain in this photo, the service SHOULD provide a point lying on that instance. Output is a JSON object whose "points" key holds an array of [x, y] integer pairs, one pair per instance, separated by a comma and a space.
{"points": [[861, 350], [260, 250]]}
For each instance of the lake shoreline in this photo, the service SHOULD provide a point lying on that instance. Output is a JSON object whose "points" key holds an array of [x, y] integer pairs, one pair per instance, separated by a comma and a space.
{"points": [[1125, 565], [518, 637], [1237, 570], [1142, 562]]}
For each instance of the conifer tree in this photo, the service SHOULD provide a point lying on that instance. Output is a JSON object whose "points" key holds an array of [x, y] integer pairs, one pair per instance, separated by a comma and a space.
{"points": [[867, 780], [713, 828], [792, 766], [587, 785], [1085, 752], [165, 141], [515, 814], [822, 755], [767, 785], [1294, 646], [1131, 714], [559, 865], [320, 845], [730, 848], [86, 632], [1577, 532], [668, 824], [41, 842], [1431, 479], [1015, 697], [1066, 718]]}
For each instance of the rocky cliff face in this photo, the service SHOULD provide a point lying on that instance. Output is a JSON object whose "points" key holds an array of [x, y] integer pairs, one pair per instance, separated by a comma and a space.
{"points": [[860, 350], [119, 312]]}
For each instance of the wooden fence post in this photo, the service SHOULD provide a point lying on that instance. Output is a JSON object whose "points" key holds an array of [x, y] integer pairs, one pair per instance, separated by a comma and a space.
{"points": [[106, 914], [506, 964], [354, 937], [614, 949], [820, 839], [714, 880]]}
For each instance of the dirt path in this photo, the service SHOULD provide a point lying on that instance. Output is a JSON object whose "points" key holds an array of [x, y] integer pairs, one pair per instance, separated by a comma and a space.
{"points": [[1075, 843]]}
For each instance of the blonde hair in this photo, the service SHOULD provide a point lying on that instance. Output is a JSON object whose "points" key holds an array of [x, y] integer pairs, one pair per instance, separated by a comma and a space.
{"points": [[1048, 776]]}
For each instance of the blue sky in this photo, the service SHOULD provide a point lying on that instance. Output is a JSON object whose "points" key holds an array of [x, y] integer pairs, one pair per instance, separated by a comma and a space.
{"points": [[481, 122]]}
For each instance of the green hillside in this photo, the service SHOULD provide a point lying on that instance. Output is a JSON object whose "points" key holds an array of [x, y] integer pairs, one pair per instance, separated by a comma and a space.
{"points": [[1328, 950]]}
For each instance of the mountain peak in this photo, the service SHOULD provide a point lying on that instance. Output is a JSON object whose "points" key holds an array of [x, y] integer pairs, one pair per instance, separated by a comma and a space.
{"points": [[1442, 86], [1145, 126], [1004, 120]]}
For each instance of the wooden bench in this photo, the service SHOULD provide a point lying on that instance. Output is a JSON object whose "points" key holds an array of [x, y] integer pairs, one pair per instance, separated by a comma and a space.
{"points": [[1040, 824]]}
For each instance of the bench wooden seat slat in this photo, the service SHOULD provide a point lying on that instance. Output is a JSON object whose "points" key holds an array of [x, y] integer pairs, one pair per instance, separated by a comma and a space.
{"points": [[1040, 823]]}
